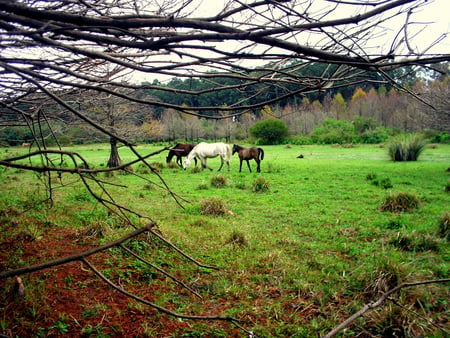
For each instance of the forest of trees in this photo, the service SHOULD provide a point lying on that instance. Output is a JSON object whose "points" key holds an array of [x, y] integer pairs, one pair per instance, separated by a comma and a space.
{"points": [[371, 111]]}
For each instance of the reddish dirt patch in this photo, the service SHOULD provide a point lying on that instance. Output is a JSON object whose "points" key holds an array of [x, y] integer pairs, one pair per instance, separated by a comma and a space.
{"points": [[70, 300]]}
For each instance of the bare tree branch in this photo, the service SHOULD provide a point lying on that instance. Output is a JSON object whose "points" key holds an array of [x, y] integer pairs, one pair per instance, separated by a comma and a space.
{"points": [[379, 302]]}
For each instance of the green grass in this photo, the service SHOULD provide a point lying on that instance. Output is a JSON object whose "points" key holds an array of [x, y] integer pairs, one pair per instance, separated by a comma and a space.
{"points": [[311, 246]]}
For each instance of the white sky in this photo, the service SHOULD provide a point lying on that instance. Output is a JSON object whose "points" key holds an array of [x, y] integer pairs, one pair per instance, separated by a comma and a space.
{"points": [[433, 19]]}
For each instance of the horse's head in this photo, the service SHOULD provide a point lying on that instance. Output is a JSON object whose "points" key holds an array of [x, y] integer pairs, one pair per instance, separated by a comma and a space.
{"points": [[186, 163], [235, 149]]}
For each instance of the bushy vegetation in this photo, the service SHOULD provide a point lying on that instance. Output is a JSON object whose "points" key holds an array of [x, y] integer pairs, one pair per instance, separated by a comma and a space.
{"points": [[333, 131], [407, 147], [269, 131]]}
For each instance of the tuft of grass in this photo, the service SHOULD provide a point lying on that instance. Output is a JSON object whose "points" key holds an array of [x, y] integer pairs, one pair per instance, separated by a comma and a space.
{"points": [[400, 202], [272, 168], [385, 183], [195, 170], [214, 206], [202, 186], [447, 186], [371, 176], [406, 147], [444, 225], [173, 165], [260, 184], [415, 242], [218, 181], [237, 238], [143, 169], [394, 225]]}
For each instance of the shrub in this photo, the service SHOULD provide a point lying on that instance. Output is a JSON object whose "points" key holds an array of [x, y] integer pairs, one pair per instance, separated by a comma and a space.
{"points": [[375, 136], [332, 131], [218, 181], [214, 207], [437, 137], [269, 131], [400, 202], [260, 184], [406, 147], [444, 226]]}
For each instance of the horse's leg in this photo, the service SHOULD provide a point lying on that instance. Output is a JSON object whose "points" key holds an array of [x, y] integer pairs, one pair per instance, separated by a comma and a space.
{"points": [[240, 165], [179, 160], [248, 165], [258, 168], [204, 164], [221, 163]]}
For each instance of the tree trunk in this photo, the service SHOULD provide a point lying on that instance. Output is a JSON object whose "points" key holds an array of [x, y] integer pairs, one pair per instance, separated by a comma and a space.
{"points": [[114, 158]]}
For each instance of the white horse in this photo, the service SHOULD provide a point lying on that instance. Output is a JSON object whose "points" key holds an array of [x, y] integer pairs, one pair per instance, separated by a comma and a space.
{"points": [[204, 150]]}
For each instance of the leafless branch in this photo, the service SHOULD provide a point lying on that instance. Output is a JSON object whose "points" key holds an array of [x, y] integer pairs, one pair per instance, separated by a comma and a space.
{"points": [[379, 302]]}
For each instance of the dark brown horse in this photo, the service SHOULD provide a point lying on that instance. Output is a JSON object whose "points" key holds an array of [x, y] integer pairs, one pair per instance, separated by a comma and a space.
{"points": [[179, 151], [253, 153]]}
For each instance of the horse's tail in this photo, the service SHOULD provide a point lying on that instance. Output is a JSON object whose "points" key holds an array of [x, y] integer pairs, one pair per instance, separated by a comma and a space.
{"points": [[261, 153]]}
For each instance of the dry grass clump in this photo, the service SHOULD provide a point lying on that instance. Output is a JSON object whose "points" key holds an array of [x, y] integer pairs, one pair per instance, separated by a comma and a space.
{"points": [[237, 238], [260, 184], [195, 170], [400, 202], [143, 169], [444, 226], [214, 206], [173, 165], [218, 181], [415, 242]]}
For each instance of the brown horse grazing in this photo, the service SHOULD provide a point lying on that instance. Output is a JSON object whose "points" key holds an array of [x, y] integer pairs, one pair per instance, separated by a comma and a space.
{"points": [[247, 154], [179, 151]]}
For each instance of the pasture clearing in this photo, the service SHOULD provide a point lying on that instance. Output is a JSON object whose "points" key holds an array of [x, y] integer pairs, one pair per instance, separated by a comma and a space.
{"points": [[295, 260]]}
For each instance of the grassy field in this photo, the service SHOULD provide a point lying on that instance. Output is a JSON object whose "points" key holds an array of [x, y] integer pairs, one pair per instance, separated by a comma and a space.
{"points": [[295, 259]]}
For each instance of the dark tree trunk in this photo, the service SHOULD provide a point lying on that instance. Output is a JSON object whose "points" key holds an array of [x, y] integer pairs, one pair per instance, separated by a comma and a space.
{"points": [[114, 158]]}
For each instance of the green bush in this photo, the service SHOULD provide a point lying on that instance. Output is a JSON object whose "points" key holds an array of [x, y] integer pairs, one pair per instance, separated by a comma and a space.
{"points": [[332, 131], [269, 131], [375, 136], [436, 136], [406, 147]]}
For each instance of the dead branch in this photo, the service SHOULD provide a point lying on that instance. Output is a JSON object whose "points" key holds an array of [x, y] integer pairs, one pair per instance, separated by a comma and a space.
{"points": [[76, 257], [379, 302]]}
